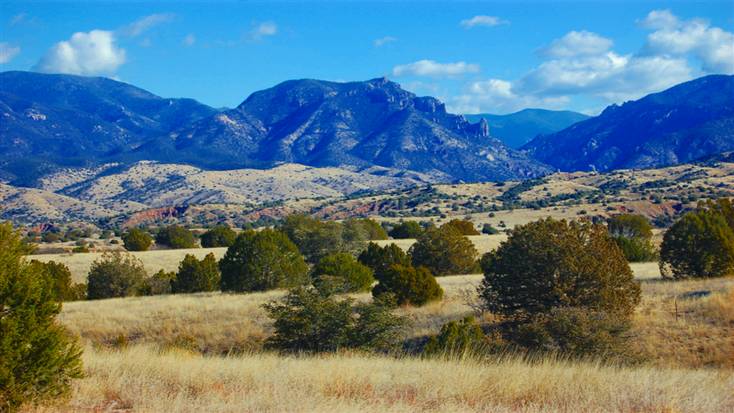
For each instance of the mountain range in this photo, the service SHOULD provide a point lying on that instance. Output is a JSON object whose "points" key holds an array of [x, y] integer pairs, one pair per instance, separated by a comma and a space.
{"points": [[517, 129], [689, 121], [56, 121]]}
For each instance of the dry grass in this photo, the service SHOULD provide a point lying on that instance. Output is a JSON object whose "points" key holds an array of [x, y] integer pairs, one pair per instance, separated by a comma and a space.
{"points": [[142, 379]]}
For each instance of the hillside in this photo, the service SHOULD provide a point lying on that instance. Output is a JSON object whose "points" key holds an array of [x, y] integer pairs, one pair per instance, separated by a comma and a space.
{"points": [[684, 123], [517, 129]]}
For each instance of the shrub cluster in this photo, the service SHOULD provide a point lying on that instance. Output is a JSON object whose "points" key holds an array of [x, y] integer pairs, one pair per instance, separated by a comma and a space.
{"points": [[175, 236], [444, 251], [115, 274], [463, 226], [409, 285], [407, 229], [457, 338], [633, 235], [219, 236], [136, 240], [196, 275], [342, 272]]}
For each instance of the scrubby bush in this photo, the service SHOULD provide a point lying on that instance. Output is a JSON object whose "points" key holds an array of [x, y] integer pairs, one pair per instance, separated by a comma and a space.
{"points": [[316, 239], [136, 240], [409, 285], [549, 263], [60, 277], [309, 320], [457, 338], [464, 227], [158, 284], [115, 274], [359, 230], [488, 229], [38, 358], [573, 331], [379, 259], [342, 272], [175, 236], [700, 244], [405, 230], [219, 236], [633, 235], [263, 260], [196, 275], [444, 251]]}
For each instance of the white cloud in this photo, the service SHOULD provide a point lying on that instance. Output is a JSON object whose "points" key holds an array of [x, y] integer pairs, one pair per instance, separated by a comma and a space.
{"points": [[143, 24], [189, 40], [18, 19], [89, 53], [674, 37], [490, 21], [577, 44], [499, 96], [384, 40], [433, 68], [8, 52], [264, 29]]}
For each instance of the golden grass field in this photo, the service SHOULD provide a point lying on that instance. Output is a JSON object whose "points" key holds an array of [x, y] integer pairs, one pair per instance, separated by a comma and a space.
{"points": [[203, 352]]}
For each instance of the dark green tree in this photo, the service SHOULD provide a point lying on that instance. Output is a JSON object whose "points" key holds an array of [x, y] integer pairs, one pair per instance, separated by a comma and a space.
{"points": [[365, 229], [38, 358], [219, 236], [409, 285], [633, 234], [259, 261], [700, 244], [136, 240], [405, 230], [549, 263], [343, 272], [196, 275], [463, 226], [115, 274], [59, 274], [444, 251], [488, 229], [379, 259], [158, 284], [176, 236]]}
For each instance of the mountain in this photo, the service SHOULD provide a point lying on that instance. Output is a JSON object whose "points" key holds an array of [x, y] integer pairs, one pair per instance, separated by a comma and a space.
{"points": [[681, 124], [51, 121], [351, 125], [57, 121], [517, 129]]}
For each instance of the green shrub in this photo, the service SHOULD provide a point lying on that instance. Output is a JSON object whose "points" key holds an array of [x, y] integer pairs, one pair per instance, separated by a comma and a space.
{"points": [[307, 320], [464, 227], [407, 229], [550, 263], [60, 276], [259, 261], [573, 331], [158, 284], [444, 251], [379, 259], [316, 239], [219, 236], [633, 235], [700, 244], [343, 272], [38, 358], [409, 285], [196, 275], [359, 230], [488, 229], [176, 236], [457, 338], [115, 274], [136, 240]]}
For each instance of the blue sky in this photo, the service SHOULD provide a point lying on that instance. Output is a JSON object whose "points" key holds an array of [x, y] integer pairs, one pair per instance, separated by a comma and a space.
{"points": [[487, 56]]}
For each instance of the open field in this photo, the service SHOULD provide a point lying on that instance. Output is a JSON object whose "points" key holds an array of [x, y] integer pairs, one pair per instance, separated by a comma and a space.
{"points": [[168, 260], [142, 379]]}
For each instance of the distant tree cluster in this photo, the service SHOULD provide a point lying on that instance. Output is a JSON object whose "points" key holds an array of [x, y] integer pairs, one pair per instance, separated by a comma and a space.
{"points": [[633, 234]]}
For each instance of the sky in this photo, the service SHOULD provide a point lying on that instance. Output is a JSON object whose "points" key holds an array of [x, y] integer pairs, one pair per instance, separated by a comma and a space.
{"points": [[478, 57]]}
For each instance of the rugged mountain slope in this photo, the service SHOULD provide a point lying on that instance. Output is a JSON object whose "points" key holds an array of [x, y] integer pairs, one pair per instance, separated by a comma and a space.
{"points": [[62, 120], [353, 125], [684, 123], [517, 129]]}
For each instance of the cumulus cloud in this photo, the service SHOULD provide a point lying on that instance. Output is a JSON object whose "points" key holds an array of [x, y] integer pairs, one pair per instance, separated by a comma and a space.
{"points": [[384, 40], [577, 44], [8, 52], [264, 29], [433, 68], [713, 46], [499, 96], [145, 23], [481, 20], [189, 40], [91, 53]]}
